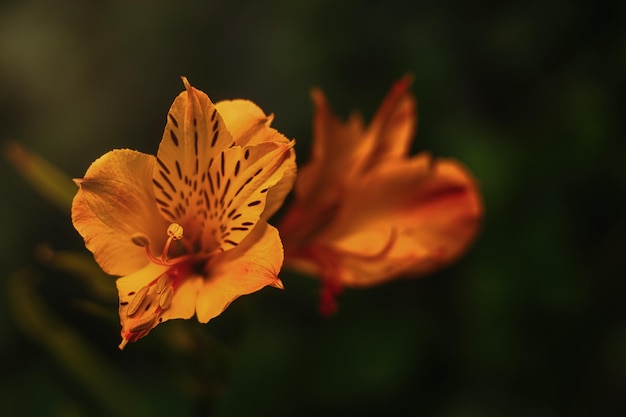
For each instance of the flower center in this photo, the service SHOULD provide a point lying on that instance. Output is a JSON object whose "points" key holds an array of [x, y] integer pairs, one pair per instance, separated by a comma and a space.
{"points": [[141, 310], [174, 232]]}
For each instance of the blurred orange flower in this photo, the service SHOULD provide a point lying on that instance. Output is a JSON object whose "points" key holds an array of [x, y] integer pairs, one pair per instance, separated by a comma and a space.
{"points": [[187, 229], [365, 212]]}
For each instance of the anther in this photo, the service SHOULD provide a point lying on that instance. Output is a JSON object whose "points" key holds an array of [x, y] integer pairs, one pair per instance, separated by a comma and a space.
{"points": [[165, 300], [144, 323], [175, 232], [140, 239], [161, 283], [134, 304]]}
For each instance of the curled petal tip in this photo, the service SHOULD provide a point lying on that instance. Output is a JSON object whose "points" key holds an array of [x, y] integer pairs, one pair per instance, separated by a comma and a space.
{"points": [[317, 96], [402, 85], [278, 284], [185, 82], [77, 181], [408, 78]]}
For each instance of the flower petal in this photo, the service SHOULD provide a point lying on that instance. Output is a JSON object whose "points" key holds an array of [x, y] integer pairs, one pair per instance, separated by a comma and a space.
{"points": [[249, 267], [279, 191], [408, 217], [116, 200], [393, 125], [250, 126], [238, 185], [342, 154], [338, 156], [194, 136], [144, 304]]}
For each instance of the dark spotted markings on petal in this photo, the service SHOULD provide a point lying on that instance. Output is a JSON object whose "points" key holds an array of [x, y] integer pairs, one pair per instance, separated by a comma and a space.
{"points": [[167, 180], [248, 181], [167, 195], [210, 185], [163, 166], [173, 119], [254, 203], [226, 187], [216, 133], [174, 137], [178, 171], [194, 136]]}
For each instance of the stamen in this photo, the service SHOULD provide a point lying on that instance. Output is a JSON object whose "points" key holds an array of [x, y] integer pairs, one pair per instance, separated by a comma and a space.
{"points": [[140, 239], [123, 344], [161, 283], [134, 304], [144, 323], [165, 300], [175, 232]]}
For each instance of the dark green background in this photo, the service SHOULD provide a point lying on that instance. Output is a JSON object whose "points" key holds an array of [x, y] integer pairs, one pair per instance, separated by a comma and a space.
{"points": [[528, 94]]}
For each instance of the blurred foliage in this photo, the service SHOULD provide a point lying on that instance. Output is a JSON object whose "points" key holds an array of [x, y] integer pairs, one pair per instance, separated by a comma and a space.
{"points": [[530, 95]]}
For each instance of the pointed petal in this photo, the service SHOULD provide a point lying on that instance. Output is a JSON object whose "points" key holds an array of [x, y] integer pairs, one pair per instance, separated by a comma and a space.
{"points": [[279, 191], [194, 136], [249, 267], [238, 184], [250, 126], [338, 155], [115, 200], [404, 218], [393, 125]]}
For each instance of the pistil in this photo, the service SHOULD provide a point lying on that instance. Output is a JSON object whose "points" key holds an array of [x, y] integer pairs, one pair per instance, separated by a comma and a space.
{"points": [[174, 232]]}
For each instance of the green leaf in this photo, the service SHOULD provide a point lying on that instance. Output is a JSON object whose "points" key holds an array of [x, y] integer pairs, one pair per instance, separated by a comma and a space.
{"points": [[94, 371], [47, 179], [83, 266]]}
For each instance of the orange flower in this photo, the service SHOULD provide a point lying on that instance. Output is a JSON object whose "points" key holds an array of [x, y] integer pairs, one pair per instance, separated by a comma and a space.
{"points": [[187, 229], [365, 213]]}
